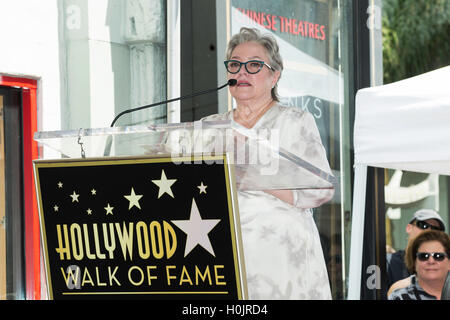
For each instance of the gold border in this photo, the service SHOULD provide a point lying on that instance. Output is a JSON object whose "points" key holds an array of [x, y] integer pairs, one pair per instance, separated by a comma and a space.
{"points": [[43, 232], [233, 209], [233, 212], [141, 292]]}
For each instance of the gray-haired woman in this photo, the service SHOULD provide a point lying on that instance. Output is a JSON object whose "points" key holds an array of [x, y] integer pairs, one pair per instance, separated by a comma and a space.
{"points": [[283, 254]]}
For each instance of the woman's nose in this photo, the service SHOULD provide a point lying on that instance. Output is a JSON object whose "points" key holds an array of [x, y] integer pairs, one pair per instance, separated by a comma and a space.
{"points": [[243, 70], [431, 260]]}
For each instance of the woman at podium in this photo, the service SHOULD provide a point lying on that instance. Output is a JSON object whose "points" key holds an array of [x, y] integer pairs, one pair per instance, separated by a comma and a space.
{"points": [[282, 249]]}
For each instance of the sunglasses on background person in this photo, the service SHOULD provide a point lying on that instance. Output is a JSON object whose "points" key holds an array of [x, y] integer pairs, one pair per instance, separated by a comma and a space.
{"points": [[425, 225], [437, 256]]}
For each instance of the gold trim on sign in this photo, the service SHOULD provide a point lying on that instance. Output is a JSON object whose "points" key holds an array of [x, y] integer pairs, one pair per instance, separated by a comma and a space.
{"points": [[233, 213]]}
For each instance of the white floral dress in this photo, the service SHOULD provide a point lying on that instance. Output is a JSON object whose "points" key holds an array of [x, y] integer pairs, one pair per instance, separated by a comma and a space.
{"points": [[282, 250]]}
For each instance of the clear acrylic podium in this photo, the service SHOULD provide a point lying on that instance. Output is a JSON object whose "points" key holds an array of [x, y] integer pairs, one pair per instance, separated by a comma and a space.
{"points": [[92, 172], [259, 162]]}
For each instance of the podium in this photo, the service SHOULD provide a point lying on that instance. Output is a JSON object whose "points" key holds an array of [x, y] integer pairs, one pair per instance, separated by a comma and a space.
{"points": [[151, 212]]}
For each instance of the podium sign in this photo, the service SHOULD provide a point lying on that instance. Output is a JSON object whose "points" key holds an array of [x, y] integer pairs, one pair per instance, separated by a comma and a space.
{"points": [[140, 228]]}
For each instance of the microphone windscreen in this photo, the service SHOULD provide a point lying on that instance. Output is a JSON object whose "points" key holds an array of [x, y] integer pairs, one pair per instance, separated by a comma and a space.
{"points": [[232, 82]]}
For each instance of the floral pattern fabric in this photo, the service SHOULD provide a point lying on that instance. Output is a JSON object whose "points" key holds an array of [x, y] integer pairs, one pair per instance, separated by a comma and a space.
{"points": [[282, 250]]}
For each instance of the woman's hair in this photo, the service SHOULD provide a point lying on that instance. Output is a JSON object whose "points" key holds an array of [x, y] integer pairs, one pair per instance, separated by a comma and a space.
{"points": [[426, 236], [267, 41]]}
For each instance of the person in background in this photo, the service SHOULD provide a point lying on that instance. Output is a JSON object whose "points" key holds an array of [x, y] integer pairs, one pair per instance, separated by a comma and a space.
{"points": [[427, 259], [282, 250], [423, 219]]}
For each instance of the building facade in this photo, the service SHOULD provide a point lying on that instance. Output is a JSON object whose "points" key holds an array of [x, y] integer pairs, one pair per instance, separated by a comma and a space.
{"points": [[70, 64]]}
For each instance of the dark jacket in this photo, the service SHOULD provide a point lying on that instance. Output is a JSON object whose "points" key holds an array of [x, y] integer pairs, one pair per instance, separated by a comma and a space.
{"points": [[396, 268]]}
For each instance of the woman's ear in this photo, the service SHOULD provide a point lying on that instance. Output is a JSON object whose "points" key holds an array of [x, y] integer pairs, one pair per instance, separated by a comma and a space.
{"points": [[276, 77]]}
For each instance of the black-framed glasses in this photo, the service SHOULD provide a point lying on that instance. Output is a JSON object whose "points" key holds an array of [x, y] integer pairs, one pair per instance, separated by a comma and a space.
{"points": [[252, 66], [437, 256], [425, 225]]}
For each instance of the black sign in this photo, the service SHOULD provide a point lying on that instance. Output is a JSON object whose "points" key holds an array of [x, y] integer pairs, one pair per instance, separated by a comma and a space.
{"points": [[146, 228]]}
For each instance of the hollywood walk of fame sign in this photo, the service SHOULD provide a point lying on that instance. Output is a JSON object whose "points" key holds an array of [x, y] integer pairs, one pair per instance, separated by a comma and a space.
{"points": [[140, 228]]}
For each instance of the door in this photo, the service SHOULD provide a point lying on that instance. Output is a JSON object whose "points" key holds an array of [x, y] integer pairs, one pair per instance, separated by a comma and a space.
{"points": [[2, 208], [19, 208], [12, 252]]}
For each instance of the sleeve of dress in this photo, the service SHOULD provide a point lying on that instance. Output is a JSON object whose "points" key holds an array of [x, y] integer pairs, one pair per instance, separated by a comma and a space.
{"points": [[303, 139]]}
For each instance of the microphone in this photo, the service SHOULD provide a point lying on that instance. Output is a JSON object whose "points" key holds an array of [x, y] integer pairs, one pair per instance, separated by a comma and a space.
{"points": [[231, 82], [106, 152]]}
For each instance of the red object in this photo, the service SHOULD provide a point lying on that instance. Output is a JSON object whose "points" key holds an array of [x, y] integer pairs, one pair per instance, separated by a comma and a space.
{"points": [[30, 153]]}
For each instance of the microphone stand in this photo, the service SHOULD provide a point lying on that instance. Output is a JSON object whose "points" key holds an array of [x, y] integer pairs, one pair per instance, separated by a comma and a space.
{"points": [[231, 82]]}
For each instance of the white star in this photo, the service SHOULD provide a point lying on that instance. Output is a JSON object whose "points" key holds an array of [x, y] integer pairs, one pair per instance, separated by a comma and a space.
{"points": [[202, 188], [56, 208], [89, 211], [197, 230], [134, 199], [164, 185], [93, 192], [74, 197], [109, 209], [60, 185]]}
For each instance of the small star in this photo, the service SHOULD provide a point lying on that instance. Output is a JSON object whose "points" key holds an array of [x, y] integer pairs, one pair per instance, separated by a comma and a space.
{"points": [[164, 185], [56, 208], [109, 209], [93, 192], [202, 188], [89, 211], [60, 185], [134, 199], [74, 197]]}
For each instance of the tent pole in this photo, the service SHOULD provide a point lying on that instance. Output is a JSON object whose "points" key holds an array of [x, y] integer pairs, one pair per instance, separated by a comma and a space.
{"points": [[357, 236]]}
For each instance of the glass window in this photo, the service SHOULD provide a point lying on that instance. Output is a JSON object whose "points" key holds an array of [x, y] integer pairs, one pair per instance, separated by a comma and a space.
{"points": [[113, 57], [315, 43]]}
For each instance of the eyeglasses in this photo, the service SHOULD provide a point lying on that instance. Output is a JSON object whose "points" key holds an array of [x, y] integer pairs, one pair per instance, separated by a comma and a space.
{"points": [[425, 225], [252, 66], [437, 256]]}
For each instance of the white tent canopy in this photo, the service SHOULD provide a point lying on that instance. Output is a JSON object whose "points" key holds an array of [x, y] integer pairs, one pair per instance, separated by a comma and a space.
{"points": [[403, 125]]}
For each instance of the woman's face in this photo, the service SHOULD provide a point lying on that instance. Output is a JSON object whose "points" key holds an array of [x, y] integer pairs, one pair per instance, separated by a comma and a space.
{"points": [[252, 87], [431, 269]]}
